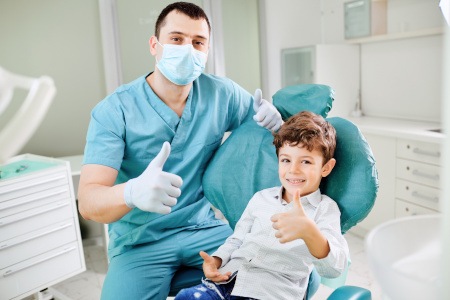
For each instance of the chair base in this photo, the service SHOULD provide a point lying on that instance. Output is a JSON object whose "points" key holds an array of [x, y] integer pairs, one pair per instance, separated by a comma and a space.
{"points": [[349, 292]]}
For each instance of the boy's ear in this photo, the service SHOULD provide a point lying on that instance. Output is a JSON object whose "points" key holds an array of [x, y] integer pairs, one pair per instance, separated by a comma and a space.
{"points": [[328, 167]]}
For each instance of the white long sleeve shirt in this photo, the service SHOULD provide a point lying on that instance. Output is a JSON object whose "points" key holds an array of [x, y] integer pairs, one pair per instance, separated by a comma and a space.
{"points": [[267, 269]]}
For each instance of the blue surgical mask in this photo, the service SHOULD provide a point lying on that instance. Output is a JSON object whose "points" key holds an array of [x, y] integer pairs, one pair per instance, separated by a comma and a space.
{"points": [[181, 64]]}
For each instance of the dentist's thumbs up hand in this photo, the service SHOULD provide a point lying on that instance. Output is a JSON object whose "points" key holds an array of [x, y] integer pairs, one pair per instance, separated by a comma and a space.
{"points": [[266, 114], [154, 190]]}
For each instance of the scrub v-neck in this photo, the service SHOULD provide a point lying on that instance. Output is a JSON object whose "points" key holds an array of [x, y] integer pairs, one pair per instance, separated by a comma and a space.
{"points": [[178, 125]]}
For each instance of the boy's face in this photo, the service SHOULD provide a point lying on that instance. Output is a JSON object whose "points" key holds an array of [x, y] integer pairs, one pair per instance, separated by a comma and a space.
{"points": [[300, 169]]}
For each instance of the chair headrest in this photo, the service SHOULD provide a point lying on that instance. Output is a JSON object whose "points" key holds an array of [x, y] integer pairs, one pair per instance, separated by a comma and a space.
{"points": [[317, 98]]}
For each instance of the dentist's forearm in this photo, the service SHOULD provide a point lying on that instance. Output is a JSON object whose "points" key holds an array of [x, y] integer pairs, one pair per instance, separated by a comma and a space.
{"points": [[99, 199], [102, 204]]}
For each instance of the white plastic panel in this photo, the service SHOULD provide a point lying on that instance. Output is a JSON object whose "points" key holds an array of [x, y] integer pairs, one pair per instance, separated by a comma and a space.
{"points": [[405, 209], [419, 151], [418, 172], [36, 242], [35, 272], [417, 193]]}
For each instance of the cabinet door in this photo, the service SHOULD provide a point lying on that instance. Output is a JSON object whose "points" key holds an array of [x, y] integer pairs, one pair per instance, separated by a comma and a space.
{"points": [[297, 66], [384, 152], [406, 209]]}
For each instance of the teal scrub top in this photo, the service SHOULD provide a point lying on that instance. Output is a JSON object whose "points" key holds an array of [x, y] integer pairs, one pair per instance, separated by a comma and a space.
{"points": [[127, 130]]}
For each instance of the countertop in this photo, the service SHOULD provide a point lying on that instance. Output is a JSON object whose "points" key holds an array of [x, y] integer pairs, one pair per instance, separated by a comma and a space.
{"points": [[415, 130]]}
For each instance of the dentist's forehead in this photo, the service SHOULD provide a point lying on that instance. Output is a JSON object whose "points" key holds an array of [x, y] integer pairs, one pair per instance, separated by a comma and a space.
{"points": [[177, 22]]}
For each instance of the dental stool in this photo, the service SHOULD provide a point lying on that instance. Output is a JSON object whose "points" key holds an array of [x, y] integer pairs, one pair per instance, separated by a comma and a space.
{"points": [[246, 163]]}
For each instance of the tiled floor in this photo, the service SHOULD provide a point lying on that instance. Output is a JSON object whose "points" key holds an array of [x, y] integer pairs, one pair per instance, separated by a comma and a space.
{"points": [[87, 286]]}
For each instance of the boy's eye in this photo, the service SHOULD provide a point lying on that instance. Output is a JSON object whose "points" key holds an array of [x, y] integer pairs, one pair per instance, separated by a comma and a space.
{"points": [[284, 160], [306, 162]]}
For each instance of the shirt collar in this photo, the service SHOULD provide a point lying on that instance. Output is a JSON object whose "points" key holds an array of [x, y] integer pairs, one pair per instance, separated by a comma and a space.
{"points": [[314, 198]]}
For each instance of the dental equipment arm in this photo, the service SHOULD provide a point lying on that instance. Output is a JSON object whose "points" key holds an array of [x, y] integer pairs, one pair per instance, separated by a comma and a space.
{"points": [[16, 133]]}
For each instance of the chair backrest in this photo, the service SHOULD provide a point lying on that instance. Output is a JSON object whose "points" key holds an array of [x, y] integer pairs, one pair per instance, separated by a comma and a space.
{"points": [[16, 133], [246, 162]]}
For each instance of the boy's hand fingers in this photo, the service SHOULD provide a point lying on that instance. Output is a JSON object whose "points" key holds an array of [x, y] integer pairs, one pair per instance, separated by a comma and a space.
{"points": [[275, 217], [205, 256], [297, 203]]}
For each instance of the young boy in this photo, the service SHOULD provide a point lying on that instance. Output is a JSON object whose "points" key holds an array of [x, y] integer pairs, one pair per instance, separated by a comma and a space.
{"points": [[284, 231]]}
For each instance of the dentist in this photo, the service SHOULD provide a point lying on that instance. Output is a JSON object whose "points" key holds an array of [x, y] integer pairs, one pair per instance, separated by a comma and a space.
{"points": [[147, 147]]}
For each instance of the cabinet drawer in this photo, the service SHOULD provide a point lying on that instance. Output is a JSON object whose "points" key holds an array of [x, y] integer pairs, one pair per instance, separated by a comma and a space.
{"points": [[36, 242], [34, 219], [38, 271], [404, 209], [419, 151], [418, 172], [417, 193], [35, 200], [29, 185]]}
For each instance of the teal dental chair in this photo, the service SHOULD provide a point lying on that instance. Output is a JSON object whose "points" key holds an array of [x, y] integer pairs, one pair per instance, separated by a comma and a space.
{"points": [[246, 163]]}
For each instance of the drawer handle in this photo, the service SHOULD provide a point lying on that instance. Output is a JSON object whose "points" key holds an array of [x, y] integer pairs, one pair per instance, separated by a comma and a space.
{"points": [[6, 245], [56, 206], [17, 203], [425, 152], [426, 175], [422, 196], [12, 271]]}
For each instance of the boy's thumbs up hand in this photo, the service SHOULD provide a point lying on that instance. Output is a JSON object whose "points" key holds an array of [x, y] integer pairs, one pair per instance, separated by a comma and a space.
{"points": [[292, 224]]}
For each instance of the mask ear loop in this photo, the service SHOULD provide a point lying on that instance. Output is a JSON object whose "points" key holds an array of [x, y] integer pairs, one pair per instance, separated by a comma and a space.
{"points": [[156, 56]]}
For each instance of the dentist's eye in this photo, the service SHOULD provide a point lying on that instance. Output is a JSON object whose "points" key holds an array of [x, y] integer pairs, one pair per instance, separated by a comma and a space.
{"points": [[176, 40]]}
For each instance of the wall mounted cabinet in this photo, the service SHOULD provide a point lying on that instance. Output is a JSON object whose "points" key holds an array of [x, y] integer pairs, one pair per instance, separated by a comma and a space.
{"points": [[333, 65]]}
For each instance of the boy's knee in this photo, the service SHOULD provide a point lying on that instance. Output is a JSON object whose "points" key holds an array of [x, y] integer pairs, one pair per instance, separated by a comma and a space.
{"points": [[184, 294], [193, 293]]}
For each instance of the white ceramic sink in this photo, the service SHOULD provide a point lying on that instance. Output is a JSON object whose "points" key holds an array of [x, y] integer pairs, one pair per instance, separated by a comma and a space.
{"points": [[405, 256]]}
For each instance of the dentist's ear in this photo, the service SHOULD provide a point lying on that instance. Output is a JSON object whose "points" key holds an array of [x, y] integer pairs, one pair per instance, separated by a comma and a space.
{"points": [[153, 44], [328, 167]]}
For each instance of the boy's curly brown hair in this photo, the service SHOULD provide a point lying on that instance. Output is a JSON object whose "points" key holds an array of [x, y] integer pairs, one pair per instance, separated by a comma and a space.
{"points": [[308, 130]]}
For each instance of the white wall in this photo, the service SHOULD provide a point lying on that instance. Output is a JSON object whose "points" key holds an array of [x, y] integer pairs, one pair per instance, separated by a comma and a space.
{"points": [[445, 271], [403, 78], [241, 42], [400, 78], [287, 24], [61, 39]]}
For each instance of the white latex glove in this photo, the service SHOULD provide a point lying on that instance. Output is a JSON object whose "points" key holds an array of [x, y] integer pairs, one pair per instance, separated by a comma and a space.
{"points": [[266, 114], [154, 190]]}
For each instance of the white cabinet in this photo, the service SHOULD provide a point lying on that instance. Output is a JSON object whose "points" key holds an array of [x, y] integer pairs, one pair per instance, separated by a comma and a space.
{"points": [[383, 149], [417, 178], [409, 179], [40, 241]]}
